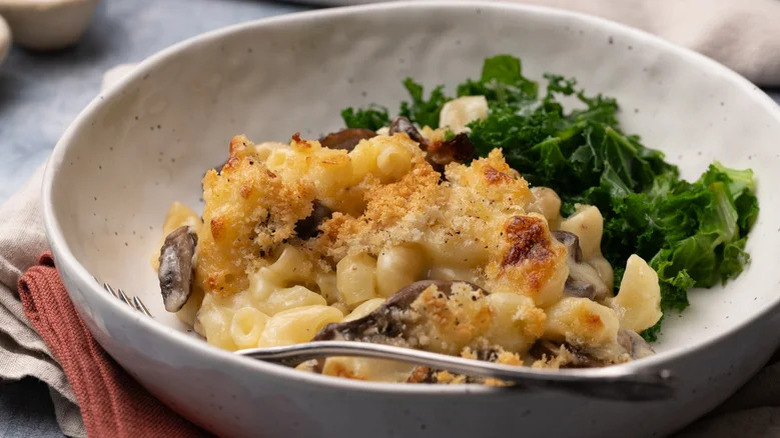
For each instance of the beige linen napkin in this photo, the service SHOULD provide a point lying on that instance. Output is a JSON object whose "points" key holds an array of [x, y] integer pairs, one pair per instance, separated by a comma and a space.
{"points": [[22, 351], [742, 34]]}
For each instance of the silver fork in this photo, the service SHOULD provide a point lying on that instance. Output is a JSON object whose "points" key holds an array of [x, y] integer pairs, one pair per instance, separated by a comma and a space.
{"points": [[624, 383], [134, 302]]}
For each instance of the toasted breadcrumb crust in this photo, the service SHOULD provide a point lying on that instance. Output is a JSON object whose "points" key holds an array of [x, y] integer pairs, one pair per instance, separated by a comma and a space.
{"points": [[475, 218]]}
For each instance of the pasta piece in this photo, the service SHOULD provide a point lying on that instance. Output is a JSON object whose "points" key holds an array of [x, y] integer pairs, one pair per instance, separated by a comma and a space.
{"points": [[516, 322], [214, 319], [246, 327], [552, 290], [361, 368], [452, 274], [457, 251], [188, 313], [289, 298], [332, 172], [326, 282], [298, 325], [292, 266], [341, 307], [548, 204], [582, 323], [264, 150], [180, 215], [397, 267], [364, 160], [604, 269], [277, 158], [356, 278], [638, 303], [364, 309], [588, 224], [459, 112], [262, 284], [393, 162]]}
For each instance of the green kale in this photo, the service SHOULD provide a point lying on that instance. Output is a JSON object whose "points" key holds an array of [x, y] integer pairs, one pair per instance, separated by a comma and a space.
{"points": [[501, 81], [420, 111], [373, 117]]}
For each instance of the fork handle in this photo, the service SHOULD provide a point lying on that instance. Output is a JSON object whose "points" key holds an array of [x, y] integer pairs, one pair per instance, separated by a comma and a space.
{"points": [[612, 382]]}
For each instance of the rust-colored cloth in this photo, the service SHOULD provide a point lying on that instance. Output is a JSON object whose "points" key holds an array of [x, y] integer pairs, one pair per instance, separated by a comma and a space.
{"points": [[112, 403]]}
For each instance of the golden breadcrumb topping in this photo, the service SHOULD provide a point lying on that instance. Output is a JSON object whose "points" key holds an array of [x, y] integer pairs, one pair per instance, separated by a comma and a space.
{"points": [[473, 221]]}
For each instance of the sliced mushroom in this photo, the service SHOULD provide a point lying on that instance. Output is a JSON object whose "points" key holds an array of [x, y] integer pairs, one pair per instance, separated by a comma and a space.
{"points": [[579, 289], [177, 260], [437, 153], [458, 149], [384, 325], [309, 227], [571, 242], [346, 139], [402, 124], [583, 280], [635, 345]]}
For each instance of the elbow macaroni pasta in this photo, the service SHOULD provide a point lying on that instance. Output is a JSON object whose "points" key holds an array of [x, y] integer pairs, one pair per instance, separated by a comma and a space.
{"points": [[395, 221]]}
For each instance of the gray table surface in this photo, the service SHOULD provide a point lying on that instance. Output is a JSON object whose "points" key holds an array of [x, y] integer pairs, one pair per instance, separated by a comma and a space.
{"points": [[41, 93]]}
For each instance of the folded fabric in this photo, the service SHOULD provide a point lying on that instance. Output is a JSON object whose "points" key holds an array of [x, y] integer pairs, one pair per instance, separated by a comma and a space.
{"points": [[741, 34], [22, 351], [112, 403], [744, 34]]}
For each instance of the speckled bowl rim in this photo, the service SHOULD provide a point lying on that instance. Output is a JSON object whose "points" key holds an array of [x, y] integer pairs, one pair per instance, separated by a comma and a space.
{"points": [[67, 261]]}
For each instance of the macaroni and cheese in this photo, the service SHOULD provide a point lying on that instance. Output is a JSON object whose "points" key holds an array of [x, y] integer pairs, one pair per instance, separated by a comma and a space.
{"points": [[300, 240]]}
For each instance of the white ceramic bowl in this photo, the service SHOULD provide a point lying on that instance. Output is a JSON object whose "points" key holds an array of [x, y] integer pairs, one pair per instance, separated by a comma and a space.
{"points": [[147, 141]]}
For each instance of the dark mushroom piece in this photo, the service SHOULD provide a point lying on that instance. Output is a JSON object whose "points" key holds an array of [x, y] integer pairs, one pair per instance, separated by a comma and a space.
{"points": [[438, 153], [458, 149], [571, 242], [583, 280], [635, 345], [177, 259], [402, 124], [385, 324], [346, 139], [309, 227]]}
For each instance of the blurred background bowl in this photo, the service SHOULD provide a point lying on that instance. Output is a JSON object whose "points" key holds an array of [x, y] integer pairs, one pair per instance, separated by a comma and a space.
{"points": [[47, 24], [5, 39]]}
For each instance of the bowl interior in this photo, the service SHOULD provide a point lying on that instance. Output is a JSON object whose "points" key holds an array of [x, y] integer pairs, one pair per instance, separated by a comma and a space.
{"points": [[147, 142]]}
